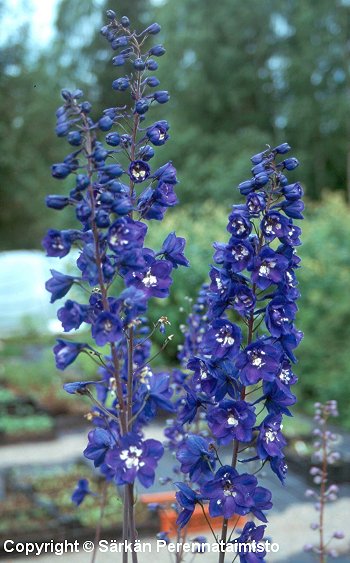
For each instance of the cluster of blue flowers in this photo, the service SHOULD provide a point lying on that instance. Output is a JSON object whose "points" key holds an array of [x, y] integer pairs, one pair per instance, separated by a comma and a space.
{"points": [[239, 383], [114, 194], [235, 385]]}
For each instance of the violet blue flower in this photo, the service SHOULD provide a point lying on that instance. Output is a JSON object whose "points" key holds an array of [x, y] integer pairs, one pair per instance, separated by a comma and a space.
{"points": [[229, 493], [134, 458], [231, 420], [66, 352], [196, 458], [81, 491]]}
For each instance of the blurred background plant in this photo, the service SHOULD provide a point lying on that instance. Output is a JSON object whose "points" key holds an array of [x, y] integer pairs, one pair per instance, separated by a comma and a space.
{"points": [[279, 71]]}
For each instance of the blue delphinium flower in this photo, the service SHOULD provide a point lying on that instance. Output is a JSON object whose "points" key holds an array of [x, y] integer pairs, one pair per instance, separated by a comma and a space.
{"points": [[187, 500], [231, 419], [115, 194], [196, 458], [134, 457], [81, 491], [239, 381], [229, 493]]}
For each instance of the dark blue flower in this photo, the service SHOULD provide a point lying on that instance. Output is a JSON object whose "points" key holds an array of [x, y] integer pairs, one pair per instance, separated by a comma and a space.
{"points": [[134, 458], [157, 51], [155, 393], [243, 299], [155, 280], [239, 224], [77, 386], [141, 107], [133, 302], [59, 285], [57, 243], [120, 84], [270, 439], [187, 499], [172, 250], [269, 267], [162, 96], [66, 352], [222, 339], [106, 328], [274, 225], [231, 420], [229, 493], [157, 133], [100, 442], [277, 397], [238, 254], [262, 501], [279, 467], [166, 173], [81, 491], [61, 170], [256, 203], [290, 163], [293, 208], [72, 315], [293, 191], [279, 316], [259, 360], [125, 234], [251, 534], [139, 171], [196, 458]]}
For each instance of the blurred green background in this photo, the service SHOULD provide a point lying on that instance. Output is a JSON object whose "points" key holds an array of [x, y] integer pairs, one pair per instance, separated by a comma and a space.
{"points": [[241, 75]]}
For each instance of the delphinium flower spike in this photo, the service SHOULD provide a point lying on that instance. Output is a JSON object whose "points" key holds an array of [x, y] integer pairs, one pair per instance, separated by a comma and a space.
{"points": [[240, 351], [324, 456], [115, 193]]}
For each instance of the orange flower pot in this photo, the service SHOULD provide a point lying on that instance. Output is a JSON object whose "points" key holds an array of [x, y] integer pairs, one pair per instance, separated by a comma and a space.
{"points": [[198, 523]]}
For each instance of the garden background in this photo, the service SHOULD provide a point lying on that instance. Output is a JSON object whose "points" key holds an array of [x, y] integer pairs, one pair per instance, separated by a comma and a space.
{"points": [[241, 75]]}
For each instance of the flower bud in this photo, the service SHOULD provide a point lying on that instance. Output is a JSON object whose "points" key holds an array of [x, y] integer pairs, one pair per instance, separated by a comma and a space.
{"points": [[111, 15], [142, 106], [151, 64], [124, 20], [120, 84], [74, 138], [162, 96], [152, 29], [105, 123], [119, 60], [113, 139], [56, 201], [290, 163], [157, 51], [139, 64]]}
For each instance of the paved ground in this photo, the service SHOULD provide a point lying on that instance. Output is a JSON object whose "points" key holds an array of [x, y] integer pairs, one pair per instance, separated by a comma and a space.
{"points": [[289, 524]]}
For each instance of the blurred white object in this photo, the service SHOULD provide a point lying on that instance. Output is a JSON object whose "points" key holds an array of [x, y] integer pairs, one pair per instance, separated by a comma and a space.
{"points": [[24, 302]]}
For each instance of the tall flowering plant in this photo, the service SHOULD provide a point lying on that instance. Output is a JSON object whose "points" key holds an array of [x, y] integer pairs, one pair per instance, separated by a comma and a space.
{"points": [[115, 193], [238, 387]]}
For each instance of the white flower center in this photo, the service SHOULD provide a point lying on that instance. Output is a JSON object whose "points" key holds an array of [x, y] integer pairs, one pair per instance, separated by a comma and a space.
{"points": [[270, 436], [232, 421], [285, 375], [131, 457], [264, 270], [149, 280], [239, 252]]}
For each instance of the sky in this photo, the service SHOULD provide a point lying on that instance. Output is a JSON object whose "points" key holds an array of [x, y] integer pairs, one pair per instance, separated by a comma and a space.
{"points": [[39, 13]]}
